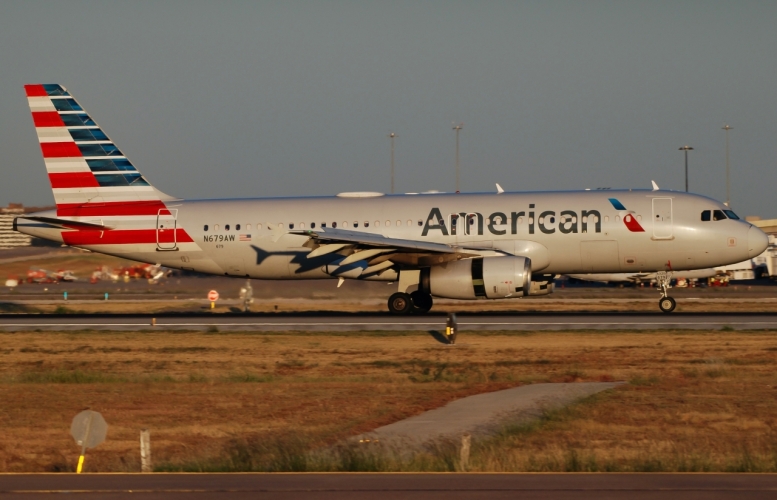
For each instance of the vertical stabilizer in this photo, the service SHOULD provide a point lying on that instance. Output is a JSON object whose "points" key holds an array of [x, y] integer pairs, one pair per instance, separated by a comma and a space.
{"points": [[89, 175]]}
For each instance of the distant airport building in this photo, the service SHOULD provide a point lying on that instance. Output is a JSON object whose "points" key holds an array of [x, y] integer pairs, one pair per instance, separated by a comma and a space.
{"points": [[768, 226], [8, 237]]}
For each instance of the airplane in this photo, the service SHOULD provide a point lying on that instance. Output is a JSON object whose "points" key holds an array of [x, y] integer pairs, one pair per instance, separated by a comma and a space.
{"points": [[641, 277], [452, 245]]}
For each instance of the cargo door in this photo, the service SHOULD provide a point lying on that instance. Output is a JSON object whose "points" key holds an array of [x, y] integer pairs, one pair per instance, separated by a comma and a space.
{"points": [[599, 256]]}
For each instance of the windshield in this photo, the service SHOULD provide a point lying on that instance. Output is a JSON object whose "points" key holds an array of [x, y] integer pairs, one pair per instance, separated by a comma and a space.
{"points": [[731, 214]]}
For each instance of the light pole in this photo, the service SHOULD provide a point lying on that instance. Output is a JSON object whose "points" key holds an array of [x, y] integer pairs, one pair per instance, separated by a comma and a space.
{"points": [[728, 170], [686, 149], [457, 128], [392, 135]]}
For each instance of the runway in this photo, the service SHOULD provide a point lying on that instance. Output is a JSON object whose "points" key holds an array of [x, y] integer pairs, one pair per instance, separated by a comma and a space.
{"points": [[346, 486], [384, 322]]}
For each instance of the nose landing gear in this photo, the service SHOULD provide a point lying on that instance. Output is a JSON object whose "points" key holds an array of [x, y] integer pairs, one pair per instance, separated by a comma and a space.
{"points": [[665, 303]]}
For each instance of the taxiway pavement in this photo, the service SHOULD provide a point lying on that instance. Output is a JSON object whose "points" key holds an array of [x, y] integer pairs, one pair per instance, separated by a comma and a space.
{"points": [[385, 322], [347, 486]]}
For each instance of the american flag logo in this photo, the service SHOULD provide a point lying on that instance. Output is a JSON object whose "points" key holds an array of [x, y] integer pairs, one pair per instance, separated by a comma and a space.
{"points": [[245, 237]]}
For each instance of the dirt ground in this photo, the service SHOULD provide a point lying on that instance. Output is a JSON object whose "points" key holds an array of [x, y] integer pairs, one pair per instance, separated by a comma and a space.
{"points": [[695, 400]]}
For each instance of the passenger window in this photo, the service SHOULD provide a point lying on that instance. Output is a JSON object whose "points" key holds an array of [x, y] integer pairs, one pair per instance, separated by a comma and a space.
{"points": [[409, 223], [718, 215], [606, 218], [291, 225], [731, 214], [237, 227], [334, 224], [366, 224], [355, 224], [377, 223], [388, 223], [639, 217], [258, 225], [617, 218], [420, 222], [226, 227], [280, 225], [302, 225], [312, 225], [399, 223], [520, 220], [205, 228], [323, 224], [248, 227], [705, 215], [345, 223], [215, 227]]}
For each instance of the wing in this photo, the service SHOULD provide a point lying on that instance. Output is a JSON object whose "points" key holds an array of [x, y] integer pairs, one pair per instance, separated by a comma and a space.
{"points": [[376, 252]]}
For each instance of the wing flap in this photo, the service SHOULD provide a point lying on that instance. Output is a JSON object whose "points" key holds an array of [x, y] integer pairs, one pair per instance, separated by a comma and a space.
{"points": [[335, 236]]}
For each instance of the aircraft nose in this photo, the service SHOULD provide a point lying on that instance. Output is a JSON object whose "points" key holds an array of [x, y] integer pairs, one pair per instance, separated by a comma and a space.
{"points": [[757, 242]]}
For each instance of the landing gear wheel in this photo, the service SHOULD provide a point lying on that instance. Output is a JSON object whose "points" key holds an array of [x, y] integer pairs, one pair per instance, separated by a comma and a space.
{"points": [[422, 302], [399, 303], [667, 304]]}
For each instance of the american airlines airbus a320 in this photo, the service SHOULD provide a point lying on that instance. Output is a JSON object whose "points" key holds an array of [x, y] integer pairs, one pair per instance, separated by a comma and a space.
{"points": [[461, 246]]}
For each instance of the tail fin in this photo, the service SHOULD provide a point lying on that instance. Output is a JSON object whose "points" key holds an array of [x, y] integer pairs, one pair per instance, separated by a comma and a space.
{"points": [[89, 175]]}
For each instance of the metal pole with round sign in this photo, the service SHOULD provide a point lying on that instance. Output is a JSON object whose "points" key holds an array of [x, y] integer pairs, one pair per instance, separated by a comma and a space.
{"points": [[88, 429], [213, 296]]}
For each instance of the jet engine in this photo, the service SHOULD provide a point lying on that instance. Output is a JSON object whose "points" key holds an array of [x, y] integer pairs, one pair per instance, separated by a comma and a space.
{"points": [[479, 278]]}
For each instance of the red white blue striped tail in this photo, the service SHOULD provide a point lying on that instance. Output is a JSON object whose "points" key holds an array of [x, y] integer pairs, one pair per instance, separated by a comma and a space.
{"points": [[89, 175]]}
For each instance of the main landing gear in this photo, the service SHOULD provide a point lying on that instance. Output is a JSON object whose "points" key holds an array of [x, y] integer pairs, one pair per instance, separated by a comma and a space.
{"points": [[666, 303], [402, 303]]}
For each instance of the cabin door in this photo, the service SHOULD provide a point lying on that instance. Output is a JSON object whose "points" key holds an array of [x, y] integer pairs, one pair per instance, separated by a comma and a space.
{"points": [[166, 226], [662, 218]]}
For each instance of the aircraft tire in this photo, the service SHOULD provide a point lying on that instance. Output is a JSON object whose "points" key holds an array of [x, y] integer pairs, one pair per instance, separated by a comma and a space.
{"points": [[422, 302], [400, 303], [667, 304]]}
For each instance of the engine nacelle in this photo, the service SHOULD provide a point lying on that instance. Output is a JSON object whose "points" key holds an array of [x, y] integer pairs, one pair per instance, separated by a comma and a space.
{"points": [[480, 278]]}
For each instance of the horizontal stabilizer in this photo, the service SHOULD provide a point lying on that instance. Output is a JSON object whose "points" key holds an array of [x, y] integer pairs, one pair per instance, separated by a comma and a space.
{"points": [[68, 224]]}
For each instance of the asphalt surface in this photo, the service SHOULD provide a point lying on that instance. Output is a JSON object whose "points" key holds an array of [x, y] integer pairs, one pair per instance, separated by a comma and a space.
{"points": [[482, 414], [348, 486], [384, 322]]}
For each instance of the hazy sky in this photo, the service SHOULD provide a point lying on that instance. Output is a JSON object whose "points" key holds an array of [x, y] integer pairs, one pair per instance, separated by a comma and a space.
{"points": [[284, 98]]}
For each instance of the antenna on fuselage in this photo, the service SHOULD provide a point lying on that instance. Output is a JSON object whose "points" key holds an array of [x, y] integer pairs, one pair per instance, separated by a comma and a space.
{"points": [[655, 186]]}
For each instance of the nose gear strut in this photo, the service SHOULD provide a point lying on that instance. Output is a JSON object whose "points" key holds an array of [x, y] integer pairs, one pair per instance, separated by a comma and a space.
{"points": [[665, 303]]}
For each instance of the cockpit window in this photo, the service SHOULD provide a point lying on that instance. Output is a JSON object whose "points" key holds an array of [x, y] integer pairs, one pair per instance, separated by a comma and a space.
{"points": [[718, 215], [705, 216], [731, 214]]}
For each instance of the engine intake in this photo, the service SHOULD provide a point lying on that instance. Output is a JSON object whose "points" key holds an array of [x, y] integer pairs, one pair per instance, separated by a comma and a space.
{"points": [[480, 278]]}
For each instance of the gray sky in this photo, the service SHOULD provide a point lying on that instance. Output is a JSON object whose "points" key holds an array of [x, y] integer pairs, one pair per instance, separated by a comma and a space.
{"points": [[236, 99]]}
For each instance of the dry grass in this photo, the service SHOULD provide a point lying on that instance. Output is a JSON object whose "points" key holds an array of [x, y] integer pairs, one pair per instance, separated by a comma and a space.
{"points": [[697, 401]]}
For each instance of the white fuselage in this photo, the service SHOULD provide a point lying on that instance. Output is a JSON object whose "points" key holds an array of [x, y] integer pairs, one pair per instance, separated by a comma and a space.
{"points": [[561, 232]]}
